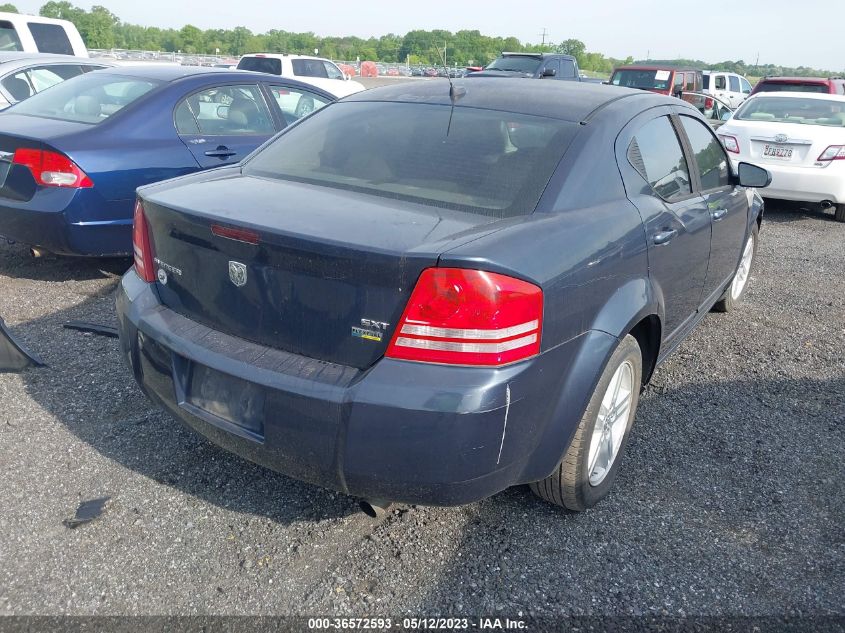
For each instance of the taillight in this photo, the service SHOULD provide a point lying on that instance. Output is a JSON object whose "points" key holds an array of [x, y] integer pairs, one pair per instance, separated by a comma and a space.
{"points": [[469, 317], [141, 244], [834, 152], [730, 143], [51, 169]]}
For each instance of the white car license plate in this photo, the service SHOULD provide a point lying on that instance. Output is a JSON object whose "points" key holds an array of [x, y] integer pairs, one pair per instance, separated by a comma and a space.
{"points": [[777, 151]]}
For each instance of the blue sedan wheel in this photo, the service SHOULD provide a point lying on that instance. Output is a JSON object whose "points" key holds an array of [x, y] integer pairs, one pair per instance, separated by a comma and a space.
{"points": [[586, 473]]}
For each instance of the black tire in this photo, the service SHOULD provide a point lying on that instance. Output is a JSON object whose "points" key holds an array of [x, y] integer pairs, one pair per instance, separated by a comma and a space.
{"points": [[727, 302], [569, 485], [839, 213]]}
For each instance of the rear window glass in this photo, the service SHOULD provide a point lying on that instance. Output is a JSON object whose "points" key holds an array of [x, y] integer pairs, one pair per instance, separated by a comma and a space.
{"points": [[793, 110], [50, 38], [518, 63], [771, 86], [706, 82], [9, 40], [643, 79], [89, 98], [487, 162], [261, 65]]}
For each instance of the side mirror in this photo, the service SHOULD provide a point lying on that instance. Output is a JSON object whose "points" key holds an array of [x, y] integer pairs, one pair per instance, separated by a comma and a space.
{"points": [[549, 72], [753, 176]]}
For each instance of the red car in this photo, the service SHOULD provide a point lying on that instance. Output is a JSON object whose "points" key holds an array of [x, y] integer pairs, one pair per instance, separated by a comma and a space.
{"points": [[830, 85], [666, 80]]}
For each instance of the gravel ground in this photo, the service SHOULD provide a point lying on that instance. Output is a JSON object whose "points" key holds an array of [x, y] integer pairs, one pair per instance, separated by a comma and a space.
{"points": [[729, 502]]}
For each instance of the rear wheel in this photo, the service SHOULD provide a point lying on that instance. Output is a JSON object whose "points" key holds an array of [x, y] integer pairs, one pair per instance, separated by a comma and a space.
{"points": [[586, 473], [733, 295], [839, 213]]}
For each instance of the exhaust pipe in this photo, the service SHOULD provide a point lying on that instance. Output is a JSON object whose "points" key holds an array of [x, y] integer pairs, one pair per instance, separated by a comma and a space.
{"points": [[38, 253], [374, 508], [827, 204]]}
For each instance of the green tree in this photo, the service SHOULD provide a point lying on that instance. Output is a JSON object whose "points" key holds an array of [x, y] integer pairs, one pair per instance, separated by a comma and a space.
{"points": [[8, 8]]}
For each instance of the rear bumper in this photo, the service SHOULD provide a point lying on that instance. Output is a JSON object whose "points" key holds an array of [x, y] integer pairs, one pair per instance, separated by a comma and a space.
{"points": [[60, 221], [805, 184], [400, 431]]}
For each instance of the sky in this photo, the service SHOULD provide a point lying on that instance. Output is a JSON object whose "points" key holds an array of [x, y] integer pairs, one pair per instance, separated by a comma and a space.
{"points": [[781, 32]]}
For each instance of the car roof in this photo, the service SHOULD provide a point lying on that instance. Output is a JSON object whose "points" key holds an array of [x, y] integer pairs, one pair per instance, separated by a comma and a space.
{"points": [[820, 80], [566, 100], [14, 56], [166, 72], [537, 55], [800, 95]]}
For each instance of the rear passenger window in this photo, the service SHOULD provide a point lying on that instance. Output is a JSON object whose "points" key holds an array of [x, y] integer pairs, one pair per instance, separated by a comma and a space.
{"points": [[720, 82], [9, 40], [224, 111], [656, 154], [50, 38], [690, 82], [711, 158], [567, 69], [309, 68], [734, 83]]}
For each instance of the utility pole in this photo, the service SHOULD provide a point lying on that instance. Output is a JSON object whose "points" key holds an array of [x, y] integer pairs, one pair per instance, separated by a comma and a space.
{"points": [[543, 35]]}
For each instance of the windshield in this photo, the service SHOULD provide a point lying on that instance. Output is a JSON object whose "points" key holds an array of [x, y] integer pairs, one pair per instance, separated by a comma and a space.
{"points": [[643, 79], [518, 63], [773, 86], [490, 162], [793, 110], [89, 98]]}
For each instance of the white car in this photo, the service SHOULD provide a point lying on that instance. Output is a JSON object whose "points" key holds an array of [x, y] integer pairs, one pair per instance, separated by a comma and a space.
{"points": [[316, 71], [800, 138], [731, 88]]}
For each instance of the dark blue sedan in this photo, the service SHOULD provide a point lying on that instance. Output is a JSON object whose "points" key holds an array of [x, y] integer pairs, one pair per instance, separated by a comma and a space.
{"points": [[71, 157], [428, 294]]}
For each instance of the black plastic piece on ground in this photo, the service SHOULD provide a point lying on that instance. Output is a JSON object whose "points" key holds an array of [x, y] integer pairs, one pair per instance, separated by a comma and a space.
{"points": [[87, 512], [93, 328], [14, 356]]}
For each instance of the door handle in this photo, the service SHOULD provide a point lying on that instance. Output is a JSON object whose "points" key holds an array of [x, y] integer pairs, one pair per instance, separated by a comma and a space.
{"points": [[221, 152], [664, 237], [718, 214]]}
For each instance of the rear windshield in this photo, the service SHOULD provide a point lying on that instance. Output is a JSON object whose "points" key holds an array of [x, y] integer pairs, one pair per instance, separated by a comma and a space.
{"points": [[519, 63], [487, 162], [643, 79], [89, 98], [793, 110], [772, 86], [261, 65]]}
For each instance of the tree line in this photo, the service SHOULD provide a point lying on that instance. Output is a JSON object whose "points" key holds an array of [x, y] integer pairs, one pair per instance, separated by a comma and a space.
{"points": [[101, 29]]}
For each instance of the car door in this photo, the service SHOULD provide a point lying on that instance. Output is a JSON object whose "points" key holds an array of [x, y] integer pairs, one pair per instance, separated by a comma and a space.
{"points": [[223, 124], [745, 89], [676, 220], [726, 203], [294, 102]]}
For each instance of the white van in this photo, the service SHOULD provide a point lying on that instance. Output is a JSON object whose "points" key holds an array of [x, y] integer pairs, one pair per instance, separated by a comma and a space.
{"points": [[316, 71], [731, 88], [34, 34]]}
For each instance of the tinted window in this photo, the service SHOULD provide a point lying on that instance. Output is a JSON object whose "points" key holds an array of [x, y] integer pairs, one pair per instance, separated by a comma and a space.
{"points": [[656, 154], [709, 155], [224, 111], [309, 68], [519, 63], [734, 83], [89, 98], [567, 69], [646, 79], [296, 103], [746, 87], [553, 64], [261, 65], [706, 82], [792, 110], [43, 77], [487, 162], [50, 38], [9, 40], [770, 86], [720, 82]]}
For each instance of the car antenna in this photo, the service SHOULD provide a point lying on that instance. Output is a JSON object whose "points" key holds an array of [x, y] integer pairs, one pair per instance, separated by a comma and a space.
{"points": [[454, 93]]}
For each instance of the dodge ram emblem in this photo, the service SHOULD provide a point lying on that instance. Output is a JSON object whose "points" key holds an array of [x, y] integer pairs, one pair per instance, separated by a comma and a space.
{"points": [[237, 273]]}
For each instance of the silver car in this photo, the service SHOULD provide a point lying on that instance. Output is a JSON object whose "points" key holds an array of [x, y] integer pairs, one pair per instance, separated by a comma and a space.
{"points": [[25, 74]]}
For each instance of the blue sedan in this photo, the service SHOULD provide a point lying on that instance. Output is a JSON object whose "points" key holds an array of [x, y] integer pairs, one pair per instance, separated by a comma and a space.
{"points": [[72, 156], [426, 293]]}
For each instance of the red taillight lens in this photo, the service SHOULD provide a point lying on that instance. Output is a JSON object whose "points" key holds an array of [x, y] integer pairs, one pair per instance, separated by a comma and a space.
{"points": [[834, 152], [469, 317], [730, 143], [141, 245], [51, 169]]}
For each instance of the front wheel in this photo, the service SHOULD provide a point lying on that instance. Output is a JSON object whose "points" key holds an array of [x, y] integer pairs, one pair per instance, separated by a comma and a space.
{"points": [[586, 473], [733, 295]]}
